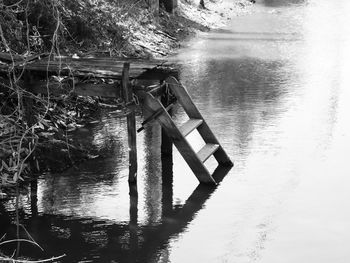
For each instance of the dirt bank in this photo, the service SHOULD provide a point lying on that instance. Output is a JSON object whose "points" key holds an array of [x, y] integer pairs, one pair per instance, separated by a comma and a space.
{"points": [[165, 36]]}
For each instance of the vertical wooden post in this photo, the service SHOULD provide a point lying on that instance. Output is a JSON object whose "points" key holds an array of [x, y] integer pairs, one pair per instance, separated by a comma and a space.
{"points": [[28, 105], [166, 143], [27, 101], [167, 164], [131, 123]]}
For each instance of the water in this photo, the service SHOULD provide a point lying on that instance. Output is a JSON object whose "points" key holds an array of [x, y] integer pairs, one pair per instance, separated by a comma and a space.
{"points": [[273, 86]]}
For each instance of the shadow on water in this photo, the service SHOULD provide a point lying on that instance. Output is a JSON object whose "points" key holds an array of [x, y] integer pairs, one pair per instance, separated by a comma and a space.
{"points": [[94, 240], [278, 3]]}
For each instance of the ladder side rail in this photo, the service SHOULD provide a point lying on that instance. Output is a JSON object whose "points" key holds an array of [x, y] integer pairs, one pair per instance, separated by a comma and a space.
{"points": [[192, 111], [186, 150]]}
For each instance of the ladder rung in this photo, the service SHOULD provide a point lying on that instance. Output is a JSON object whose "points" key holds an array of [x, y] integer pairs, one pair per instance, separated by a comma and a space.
{"points": [[189, 126], [207, 151]]}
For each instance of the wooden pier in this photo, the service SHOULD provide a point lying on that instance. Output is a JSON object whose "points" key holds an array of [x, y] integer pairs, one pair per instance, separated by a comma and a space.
{"points": [[115, 78]]}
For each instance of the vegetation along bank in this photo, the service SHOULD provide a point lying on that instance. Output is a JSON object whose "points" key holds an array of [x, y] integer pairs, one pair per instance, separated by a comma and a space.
{"points": [[34, 129]]}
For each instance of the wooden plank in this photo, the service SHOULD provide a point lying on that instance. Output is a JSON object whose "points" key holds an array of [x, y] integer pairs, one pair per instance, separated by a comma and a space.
{"points": [[207, 151], [105, 67], [91, 65], [116, 73], [107, 60], [65, 70], [100, 64], [131, 123], [184, 98], [191, 109], [186, 150], [189, 126]]}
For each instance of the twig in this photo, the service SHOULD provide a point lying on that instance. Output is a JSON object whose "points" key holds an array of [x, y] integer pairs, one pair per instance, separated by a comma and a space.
{"points": [[32, 261], [151, 49], [19, 240], [165, 34], [31, 237]]}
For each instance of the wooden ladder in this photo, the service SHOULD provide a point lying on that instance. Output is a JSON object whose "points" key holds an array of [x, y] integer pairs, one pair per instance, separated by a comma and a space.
{"points": [[178, 134]]}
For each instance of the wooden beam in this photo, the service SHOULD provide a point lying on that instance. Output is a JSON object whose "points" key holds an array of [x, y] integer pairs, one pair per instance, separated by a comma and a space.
{"points": [[166, 141], [131, 123]]}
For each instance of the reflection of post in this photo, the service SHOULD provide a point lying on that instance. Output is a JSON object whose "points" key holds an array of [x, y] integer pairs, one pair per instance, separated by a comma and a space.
{"points": [[133, 203], [156, 238], [34, 197], [133, 242], [167, 186], [131, 122]]}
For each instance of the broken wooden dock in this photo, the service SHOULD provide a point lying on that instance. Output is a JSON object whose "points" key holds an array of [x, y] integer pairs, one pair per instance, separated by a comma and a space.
{"points": [[115, 78]]}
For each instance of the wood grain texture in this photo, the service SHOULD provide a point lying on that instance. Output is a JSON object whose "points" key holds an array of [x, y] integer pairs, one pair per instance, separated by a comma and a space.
{"points": [[192, 111], [186, 150]]}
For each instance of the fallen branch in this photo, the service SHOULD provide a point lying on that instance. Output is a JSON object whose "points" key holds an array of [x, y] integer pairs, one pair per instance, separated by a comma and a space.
{"points": [[20, 240], [151, 49], [31, 261], [165, 34]]}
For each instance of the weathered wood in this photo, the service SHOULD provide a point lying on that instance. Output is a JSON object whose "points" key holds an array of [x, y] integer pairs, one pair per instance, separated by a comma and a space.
{"points": [[153, 116], [111, 73], [207, 151], [131, 123], [27, 101], [186, 150], [193, 112], [101, 67], [104, 68], [166, 142], [189, 126]]}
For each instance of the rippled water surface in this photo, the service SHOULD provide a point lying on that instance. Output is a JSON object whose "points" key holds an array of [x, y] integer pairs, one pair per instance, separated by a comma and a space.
{"points": [[275, 88]]}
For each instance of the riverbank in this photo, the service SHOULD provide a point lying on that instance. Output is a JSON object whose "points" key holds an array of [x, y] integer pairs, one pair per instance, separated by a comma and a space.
{"points": [[165, 36], [129, 35]]}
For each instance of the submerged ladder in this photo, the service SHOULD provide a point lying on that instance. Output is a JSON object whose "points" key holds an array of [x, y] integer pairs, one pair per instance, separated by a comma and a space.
{"points": [[178, 134]]}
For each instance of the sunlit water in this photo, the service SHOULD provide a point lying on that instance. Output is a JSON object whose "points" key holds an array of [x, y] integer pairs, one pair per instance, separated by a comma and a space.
{"points": [[274, 87]]}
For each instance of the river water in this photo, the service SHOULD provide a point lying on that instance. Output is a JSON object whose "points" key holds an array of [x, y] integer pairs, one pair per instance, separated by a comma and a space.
{"points": [[274, 87]]}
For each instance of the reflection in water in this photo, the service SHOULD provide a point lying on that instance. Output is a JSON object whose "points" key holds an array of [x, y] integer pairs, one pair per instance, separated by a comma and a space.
{"points": [[278, 3], [273, 86], [89, 239]]}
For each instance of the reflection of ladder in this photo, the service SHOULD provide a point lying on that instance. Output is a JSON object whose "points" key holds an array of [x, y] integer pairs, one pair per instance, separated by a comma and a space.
{"points": [[178, 134]]}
